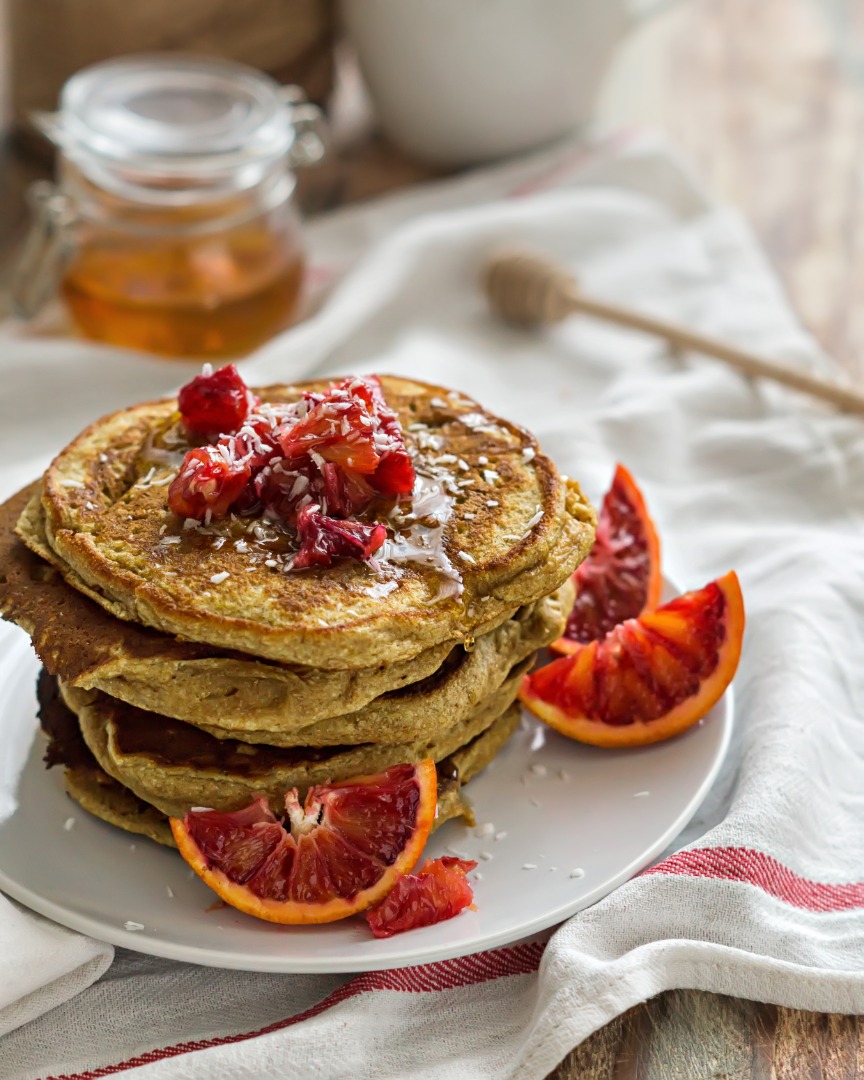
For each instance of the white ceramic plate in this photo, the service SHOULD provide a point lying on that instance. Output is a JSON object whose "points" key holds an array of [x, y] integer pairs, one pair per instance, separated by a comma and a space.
{"points": [[556, 807]]}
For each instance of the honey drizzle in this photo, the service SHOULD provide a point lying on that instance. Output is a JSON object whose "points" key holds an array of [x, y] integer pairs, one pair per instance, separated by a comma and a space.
{"points": [[418, 537], [164, 448]]}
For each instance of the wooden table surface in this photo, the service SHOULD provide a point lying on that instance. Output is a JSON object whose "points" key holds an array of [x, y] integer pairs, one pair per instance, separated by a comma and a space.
{"points": [[751, 91]]}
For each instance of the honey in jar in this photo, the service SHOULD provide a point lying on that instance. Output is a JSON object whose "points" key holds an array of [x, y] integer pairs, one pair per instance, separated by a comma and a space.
{"points": [[172, 227]]}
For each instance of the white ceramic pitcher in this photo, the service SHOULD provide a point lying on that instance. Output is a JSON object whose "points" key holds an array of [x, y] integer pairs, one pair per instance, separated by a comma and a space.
{"points": [[457, 82]]}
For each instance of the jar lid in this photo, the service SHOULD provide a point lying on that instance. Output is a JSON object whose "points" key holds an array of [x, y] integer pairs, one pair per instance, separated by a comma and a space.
{"points": [[172, 116]]}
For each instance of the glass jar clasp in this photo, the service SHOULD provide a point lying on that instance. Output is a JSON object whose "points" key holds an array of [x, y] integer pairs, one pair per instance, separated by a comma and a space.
{"points": [[311, 131], [48, 244]]}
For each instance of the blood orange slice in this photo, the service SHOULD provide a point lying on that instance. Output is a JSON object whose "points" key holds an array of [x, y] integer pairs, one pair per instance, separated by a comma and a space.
{"points": [[649, 678], [438, 892], [339, 853], [621, 578]]}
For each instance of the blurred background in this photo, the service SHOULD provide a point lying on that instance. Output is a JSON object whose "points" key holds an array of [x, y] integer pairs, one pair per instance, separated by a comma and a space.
{"points": [[764, 98]]}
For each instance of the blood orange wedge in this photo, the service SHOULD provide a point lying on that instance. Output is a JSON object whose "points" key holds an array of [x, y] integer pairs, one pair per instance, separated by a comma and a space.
{"points": [[621, 577], [649, 678], [339, 853], [438, 892]]}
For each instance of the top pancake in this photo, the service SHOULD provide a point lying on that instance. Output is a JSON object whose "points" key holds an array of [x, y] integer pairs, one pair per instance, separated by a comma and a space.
{"points": [[498, 528]]}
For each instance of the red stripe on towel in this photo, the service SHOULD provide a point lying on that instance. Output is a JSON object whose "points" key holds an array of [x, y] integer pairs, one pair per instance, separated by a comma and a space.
{"points": [[444, 975], [766, 873]]}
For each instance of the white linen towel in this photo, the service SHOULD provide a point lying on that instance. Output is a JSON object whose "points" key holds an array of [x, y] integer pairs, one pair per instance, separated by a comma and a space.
{"points": [[764, 897]]}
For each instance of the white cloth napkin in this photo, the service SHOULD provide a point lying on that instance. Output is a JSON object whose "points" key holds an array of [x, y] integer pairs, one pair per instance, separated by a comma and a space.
{"points": [[765, 897], [42, 965]]}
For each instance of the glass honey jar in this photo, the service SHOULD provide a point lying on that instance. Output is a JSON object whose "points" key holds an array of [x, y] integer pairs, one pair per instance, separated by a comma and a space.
{"points": [[172, 224]]}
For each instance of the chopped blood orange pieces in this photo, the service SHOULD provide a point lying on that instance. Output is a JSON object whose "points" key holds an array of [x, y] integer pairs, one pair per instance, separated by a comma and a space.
{"points": [[324, 539], [207, 483], [311, 465], [395, 472], [339, 430], [215, 403], [437, 892]]}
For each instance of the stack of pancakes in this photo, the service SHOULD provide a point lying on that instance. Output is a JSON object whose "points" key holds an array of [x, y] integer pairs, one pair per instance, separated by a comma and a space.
{"points": [[188, 665]]}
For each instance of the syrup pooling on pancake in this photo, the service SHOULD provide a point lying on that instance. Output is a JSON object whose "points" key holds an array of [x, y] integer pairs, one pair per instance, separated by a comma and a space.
{"points": [[443, 481], [418, 533]]}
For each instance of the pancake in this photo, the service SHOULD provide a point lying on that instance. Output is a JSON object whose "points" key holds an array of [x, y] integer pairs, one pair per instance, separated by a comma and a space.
{"points": [[421, 709], [494, 528], [173, 766], [84, 645], [87, 784], [105, 798]]}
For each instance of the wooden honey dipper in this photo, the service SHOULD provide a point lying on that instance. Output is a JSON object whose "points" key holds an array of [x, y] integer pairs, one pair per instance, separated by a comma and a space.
{"points": [[528, 289]]}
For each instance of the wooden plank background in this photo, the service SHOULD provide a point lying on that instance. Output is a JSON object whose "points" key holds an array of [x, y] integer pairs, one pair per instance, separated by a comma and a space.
{"points": [[755, 96]]}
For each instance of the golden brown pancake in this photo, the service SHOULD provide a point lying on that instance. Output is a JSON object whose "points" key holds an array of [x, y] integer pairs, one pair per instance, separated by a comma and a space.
{"points": [[433, 705], [82, 643], [87, 784], [231, 695], [174, 766], [500, 527], [99, 795], [108, 800]]}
